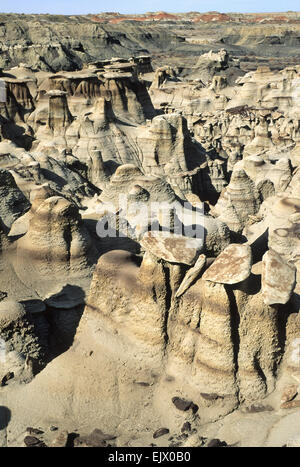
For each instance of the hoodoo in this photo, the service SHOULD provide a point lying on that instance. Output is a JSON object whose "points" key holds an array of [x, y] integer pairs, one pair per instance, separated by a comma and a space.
{"points": [[149, 231]]}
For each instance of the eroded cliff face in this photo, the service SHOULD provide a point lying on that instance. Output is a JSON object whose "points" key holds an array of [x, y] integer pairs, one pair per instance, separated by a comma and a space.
{"points": [[149, 230], [218, 338]]}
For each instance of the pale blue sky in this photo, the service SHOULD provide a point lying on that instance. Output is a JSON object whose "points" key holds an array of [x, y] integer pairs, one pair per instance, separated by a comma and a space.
{"points": [[136, 6]]}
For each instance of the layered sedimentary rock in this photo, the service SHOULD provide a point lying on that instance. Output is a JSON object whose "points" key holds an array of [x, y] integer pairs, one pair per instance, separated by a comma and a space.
{"points": [[166, 145], [13, 201], [59, 115], [210, 64], [158, 212], [239, 200], [56, 249]]}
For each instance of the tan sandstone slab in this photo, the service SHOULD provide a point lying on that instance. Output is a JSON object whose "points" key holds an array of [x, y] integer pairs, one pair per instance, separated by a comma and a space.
{"points": [[233, 265], [191, 275], [278, 278], [171, 247]]}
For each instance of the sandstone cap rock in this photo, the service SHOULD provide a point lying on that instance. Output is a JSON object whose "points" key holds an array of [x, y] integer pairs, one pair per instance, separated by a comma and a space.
{"points": [[232, 266], [172, 247], [278, 278]]}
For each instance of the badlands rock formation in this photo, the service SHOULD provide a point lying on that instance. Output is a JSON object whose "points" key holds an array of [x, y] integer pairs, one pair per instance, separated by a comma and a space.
{"points": [[149, 236]]}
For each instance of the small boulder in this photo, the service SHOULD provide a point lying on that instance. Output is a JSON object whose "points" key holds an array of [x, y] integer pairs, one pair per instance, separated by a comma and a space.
{"points": [[96, 439], [184, 405], [216, 443], [209, 396], [33, 442], [186, 427], [160, 432]]}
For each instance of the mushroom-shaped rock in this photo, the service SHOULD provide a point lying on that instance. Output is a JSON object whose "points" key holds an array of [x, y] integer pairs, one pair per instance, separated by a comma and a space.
{"points": [[171, 247], [59, 114], [278, 278], [232, 266]]}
